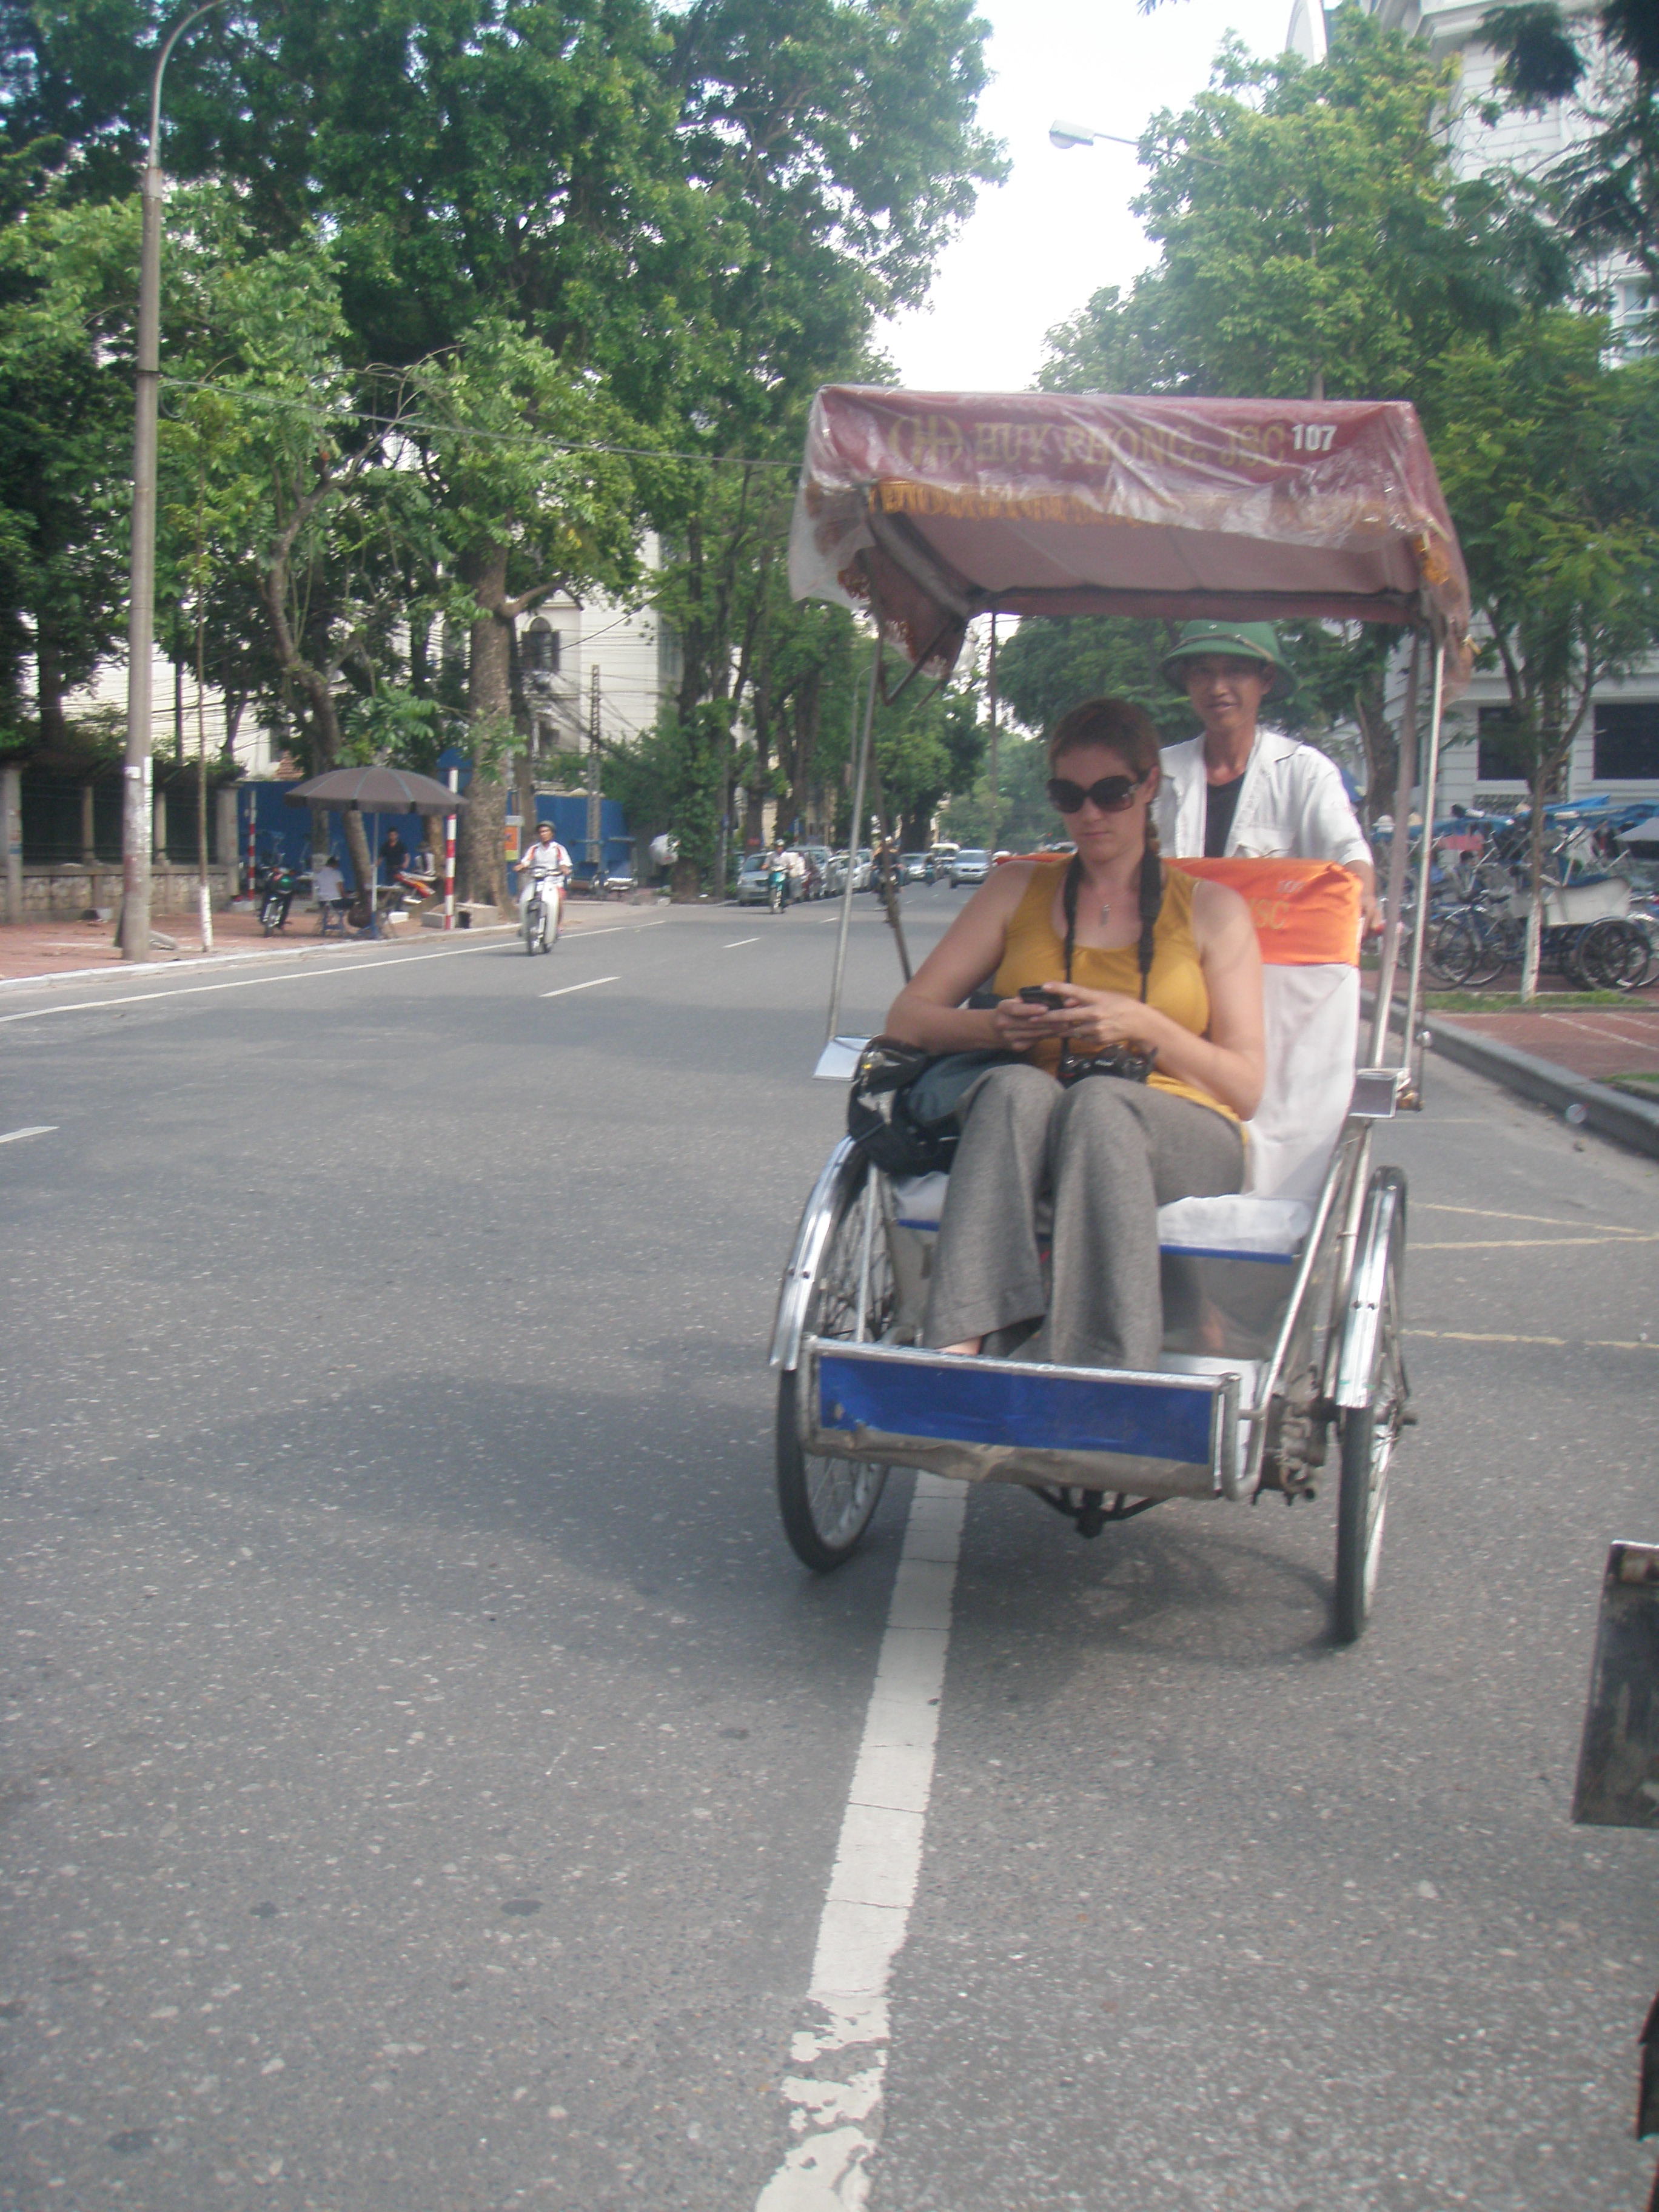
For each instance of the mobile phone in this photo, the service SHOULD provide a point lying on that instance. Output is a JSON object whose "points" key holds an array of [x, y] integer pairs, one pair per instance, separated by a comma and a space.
{"points": [[1033, 995]]}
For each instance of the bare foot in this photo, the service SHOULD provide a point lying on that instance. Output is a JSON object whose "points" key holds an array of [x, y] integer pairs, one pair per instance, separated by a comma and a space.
{"points": [[969, 1347]]}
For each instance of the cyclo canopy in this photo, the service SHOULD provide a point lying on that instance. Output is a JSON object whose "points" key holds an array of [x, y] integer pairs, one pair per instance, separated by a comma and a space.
{"points": [[925, 509]]}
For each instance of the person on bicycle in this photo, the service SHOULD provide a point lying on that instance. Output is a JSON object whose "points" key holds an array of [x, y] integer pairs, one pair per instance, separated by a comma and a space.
{"points": [[545, 859]]}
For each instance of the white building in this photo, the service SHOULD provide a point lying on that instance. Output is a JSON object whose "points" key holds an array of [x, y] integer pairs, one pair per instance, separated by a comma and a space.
{"points": [[1617, 751], [566, 644], [561, 646]]}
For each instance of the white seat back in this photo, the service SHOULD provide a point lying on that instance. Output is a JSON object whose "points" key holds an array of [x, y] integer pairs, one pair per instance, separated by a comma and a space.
{"points": [[1312, 1016]]}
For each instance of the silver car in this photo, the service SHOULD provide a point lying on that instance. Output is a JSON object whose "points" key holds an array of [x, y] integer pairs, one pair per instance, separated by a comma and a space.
{"points": [[971, 866]]}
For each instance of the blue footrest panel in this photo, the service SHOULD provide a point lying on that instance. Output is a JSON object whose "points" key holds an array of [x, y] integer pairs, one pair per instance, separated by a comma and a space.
{"points": [[1013, 1421]]}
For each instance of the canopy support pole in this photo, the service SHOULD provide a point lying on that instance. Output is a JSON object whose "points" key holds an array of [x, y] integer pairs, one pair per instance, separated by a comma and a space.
{"points": [[1414, 1048], [859, 774], [1398, 855]]}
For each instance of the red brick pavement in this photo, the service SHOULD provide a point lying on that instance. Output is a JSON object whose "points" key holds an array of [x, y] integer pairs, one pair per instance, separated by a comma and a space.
{"points": [[45, 949], [1597, 1042]]}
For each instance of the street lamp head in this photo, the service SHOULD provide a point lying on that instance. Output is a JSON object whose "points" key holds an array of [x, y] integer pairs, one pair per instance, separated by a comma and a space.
{"points": [[1066, 135]]}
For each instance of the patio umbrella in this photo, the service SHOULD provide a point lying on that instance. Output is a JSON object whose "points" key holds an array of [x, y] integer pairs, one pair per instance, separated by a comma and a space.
{"points": [[376, 791]]}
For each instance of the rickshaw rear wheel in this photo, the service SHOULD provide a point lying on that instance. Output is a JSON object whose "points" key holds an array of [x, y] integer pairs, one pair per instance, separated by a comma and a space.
{"points": [[1370, 1431], [827, 1504]]}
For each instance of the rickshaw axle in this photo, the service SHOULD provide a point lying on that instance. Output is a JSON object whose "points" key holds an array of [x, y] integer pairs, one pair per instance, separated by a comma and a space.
{"points": [[1087, 1509]]}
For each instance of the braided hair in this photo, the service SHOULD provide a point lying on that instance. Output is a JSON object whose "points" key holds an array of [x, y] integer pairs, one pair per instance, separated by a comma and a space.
{"points": [[1130, 731]]}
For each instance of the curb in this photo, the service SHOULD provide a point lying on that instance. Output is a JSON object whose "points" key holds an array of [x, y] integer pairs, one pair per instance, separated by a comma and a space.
{"points": [[1630, 1122]]}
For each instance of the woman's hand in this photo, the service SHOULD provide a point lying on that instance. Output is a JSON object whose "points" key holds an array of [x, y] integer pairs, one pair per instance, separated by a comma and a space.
{"points": [[1092, 1021], [1020, 1026]]}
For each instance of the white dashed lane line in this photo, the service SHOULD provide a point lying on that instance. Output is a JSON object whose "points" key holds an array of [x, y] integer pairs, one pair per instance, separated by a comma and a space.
{"points": [[835, 2089], [737, 941], [565, 989], [44, 1129]]}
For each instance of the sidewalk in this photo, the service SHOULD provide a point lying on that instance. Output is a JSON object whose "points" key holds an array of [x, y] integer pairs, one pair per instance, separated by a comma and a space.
{"points": [[1618, 1045], [38, 950]]}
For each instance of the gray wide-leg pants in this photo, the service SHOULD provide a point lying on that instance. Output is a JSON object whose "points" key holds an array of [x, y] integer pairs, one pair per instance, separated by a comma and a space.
{"points": [[1108, 1154]]}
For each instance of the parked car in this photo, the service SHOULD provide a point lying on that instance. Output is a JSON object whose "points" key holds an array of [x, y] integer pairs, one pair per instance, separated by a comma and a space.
{"points": [[862, 870], [835, 875], [753, 880], [970, 866], [913, 867]]}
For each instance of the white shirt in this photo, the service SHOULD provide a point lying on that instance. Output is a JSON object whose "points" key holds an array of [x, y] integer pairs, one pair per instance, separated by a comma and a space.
{"points": [[328, 884], [548, 860], [1292, 805]]}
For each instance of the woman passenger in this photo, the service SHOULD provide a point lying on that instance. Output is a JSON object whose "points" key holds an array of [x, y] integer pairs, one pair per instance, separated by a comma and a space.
{"points": [[1134, 954]]}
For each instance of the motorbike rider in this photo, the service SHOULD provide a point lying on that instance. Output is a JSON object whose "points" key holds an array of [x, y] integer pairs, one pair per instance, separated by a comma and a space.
{"points": [[545, 858], [777, 873]]}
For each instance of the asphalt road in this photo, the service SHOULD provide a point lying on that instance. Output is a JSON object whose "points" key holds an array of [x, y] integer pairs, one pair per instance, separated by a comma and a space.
{"points": [[426, 1761]]}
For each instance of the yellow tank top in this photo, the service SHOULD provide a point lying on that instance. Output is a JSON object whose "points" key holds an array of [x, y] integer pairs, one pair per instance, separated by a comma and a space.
{"points": [[1035, 953]]}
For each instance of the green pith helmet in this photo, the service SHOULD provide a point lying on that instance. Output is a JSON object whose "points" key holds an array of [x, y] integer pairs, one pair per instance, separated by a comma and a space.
{"points": [[1243, 640]]}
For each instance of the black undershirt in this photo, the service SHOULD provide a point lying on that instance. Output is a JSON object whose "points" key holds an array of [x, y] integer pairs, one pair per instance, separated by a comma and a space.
{"points": [[1220, 804]]}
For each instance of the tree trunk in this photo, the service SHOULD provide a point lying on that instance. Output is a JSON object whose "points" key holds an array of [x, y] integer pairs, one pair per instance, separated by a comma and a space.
{"points": [[318, 692], [1382, 748], [1547, 764], [804, 750], [1531, 957], [490, 709], [49, 685]]}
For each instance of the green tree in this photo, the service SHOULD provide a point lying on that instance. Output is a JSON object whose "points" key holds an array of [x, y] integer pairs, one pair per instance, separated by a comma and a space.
{"points": [[526, 499], [1049, 666], [1608, 177], [65, 447], [1550, 460], [1314, 236]]}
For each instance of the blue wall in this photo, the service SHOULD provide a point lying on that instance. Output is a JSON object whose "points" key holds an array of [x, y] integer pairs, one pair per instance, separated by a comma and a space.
{"points": [[567, 812], [285, 830]]}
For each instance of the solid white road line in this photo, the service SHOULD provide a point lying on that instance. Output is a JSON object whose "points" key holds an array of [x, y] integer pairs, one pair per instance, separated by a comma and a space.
{"points": [[1559, 1343], [575, 930], [248, 982], [43, 1129], [1535, 1243], [1539, 1220], [737, 941], [565, 989], [841, 2053]]}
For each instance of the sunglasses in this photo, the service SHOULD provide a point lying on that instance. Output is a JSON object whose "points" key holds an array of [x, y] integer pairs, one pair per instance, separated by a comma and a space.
{"points": [[1112, 795]]}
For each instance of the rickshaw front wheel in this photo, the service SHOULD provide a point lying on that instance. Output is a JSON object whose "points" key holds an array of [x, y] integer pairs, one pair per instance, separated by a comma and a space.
{"points": [[827, 1504], [1370, 1431]]}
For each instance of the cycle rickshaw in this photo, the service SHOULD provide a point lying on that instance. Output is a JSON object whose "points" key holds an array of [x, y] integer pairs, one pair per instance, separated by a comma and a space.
{"points": [[1283, 1320]]}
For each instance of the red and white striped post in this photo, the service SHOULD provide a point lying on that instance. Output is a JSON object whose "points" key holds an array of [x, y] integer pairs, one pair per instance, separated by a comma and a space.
{"points": [[248, 886], [449, 856]]}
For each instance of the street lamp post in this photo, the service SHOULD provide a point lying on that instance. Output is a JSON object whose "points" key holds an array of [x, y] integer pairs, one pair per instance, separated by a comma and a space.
{"points": [[136, 824]]}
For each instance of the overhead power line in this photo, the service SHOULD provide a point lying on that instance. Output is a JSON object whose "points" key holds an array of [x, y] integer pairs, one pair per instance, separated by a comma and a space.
{"points": [[412, 426]]}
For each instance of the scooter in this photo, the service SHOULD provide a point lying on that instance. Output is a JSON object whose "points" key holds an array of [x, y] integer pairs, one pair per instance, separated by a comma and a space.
{"points": [[275, 896], [542, 912]]}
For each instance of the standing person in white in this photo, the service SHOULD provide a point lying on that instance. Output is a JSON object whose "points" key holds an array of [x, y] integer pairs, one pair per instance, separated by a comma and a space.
{"points": [[1238, 791], [545, 858]]}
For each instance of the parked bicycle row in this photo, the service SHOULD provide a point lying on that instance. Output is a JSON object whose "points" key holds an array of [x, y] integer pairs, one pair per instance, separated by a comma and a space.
{"points": [[1600, 922]]}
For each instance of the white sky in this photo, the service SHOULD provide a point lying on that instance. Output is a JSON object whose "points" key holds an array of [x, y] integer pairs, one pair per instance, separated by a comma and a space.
{"points": [[1060, 228]]}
